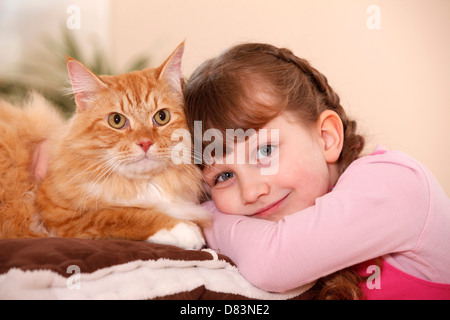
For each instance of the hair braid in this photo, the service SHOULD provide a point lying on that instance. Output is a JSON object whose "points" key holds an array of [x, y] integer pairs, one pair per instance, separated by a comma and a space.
{"points": [[328, 99]]}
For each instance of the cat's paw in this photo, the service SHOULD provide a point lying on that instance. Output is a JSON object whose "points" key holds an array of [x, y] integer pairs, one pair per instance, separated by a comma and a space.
{"points": [[186, 235]]}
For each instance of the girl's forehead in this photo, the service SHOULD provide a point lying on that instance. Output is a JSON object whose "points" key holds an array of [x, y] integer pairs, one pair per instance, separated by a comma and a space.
{"points": [[283, 121]]}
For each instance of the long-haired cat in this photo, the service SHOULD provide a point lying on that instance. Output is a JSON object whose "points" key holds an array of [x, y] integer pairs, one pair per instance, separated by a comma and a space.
{"points": [[110, 172]]}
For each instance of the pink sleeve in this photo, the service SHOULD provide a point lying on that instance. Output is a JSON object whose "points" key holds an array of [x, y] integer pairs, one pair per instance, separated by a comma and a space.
{"points": [[376, 208]]}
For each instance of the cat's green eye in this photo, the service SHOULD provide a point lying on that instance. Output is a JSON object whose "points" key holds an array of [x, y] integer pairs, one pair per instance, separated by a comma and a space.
{"points": [[162, 117], [117, 120]]}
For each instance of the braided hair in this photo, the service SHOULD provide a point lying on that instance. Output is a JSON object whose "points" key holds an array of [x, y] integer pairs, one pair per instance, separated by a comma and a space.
{"points": [[327, 99], [264, 81]]}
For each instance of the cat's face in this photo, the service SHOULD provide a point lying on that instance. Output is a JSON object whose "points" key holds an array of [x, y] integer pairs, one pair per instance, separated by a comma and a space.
{"points": [[125, 122]]}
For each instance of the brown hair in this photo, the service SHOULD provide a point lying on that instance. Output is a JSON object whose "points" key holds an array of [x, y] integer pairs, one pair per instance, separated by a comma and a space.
{"points": [[251, 84], [263, 81]]}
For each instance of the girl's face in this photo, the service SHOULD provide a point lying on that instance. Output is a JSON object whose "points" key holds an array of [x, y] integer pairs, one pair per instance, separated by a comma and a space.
{"points": [[296, 172]]}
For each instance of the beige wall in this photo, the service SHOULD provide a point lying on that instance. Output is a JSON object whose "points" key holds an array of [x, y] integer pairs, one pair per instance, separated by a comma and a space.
{"points": [[394, 80]]}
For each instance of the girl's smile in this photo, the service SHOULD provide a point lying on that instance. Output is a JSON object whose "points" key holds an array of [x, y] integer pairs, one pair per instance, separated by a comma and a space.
{"points": [[271, 208]]}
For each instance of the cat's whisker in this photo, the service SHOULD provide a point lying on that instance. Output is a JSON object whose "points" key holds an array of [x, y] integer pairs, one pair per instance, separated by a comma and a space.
{"points": [[178, 158], [87, 190], [103, 169], [103, 160], [97, 165], [111, 171]]}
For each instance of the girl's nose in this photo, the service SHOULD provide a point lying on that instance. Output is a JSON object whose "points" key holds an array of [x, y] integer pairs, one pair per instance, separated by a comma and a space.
{"points": [[252, 190]]}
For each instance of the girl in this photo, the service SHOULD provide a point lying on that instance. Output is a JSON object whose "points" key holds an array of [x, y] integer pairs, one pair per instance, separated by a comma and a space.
{"points": [[325, 208]]}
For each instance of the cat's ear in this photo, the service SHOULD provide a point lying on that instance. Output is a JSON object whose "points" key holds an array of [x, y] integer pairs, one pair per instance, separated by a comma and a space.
{"points": [[85, 84], [171, 70]]}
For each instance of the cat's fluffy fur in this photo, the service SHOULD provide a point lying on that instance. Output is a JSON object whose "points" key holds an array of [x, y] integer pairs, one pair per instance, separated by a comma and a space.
{"points": [[101, 182]]}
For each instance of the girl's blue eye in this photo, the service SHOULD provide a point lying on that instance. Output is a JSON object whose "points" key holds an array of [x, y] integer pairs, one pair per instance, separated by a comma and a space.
{"points": [[223, 177], [264, 151]]}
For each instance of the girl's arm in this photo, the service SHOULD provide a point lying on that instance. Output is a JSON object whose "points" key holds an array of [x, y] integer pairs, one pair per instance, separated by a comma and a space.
{"points": [[376, 208]]}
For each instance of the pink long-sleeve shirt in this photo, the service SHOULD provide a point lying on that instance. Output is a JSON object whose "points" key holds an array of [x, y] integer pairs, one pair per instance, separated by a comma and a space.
{"points": [[384, 205]]}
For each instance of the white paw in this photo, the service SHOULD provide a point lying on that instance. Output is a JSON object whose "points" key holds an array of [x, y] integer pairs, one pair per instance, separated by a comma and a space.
{"points": [[184, 235]]}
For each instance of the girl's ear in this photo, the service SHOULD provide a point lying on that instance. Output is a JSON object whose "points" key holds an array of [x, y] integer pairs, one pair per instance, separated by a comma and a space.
{"points": [[85, 84], [332, 134], [171, 70]]}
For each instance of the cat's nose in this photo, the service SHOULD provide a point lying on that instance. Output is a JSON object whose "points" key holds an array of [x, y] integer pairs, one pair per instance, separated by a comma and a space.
{"points": [[145, 145]]}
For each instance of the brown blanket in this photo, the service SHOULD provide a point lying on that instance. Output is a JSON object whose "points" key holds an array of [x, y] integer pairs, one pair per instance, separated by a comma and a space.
{"points": [[56, 268]]}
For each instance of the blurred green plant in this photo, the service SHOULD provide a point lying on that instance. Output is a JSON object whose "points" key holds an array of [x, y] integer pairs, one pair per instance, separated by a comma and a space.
{"points": [[47, 73]]}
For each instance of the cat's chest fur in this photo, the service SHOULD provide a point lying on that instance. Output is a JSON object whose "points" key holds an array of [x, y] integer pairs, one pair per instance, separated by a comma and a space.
{"points": [[143, 194], [151, 194]]}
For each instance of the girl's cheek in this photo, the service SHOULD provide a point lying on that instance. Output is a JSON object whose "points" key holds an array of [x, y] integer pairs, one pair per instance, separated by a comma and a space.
{"points": [[222, 201], [227, 201]]}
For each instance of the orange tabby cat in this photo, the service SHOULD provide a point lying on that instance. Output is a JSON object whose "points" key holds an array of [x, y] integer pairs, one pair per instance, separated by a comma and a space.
{"points": [[110, 171]]}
